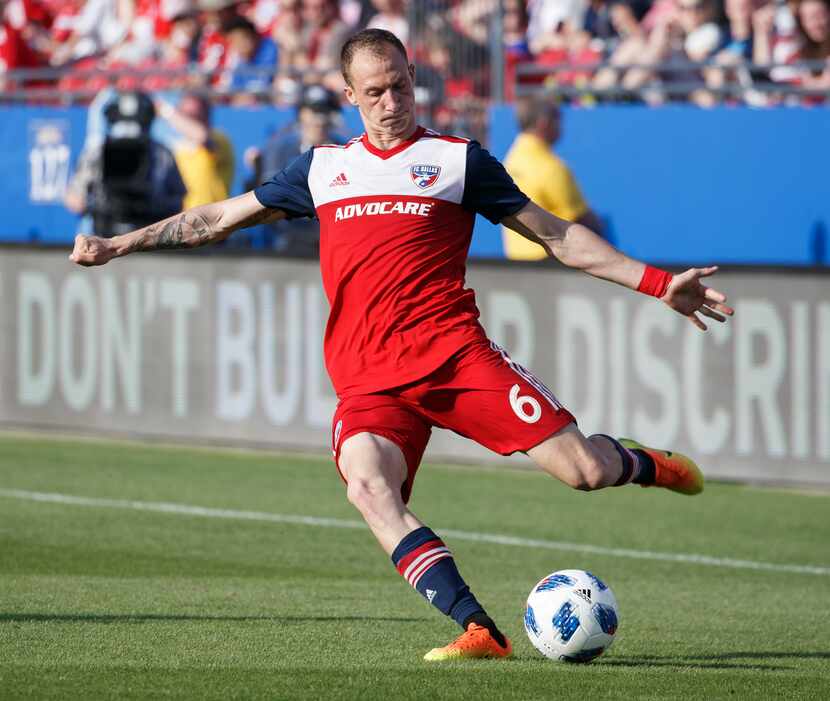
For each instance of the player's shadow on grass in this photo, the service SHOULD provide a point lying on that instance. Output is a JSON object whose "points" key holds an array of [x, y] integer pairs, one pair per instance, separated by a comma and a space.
{"points": [[151, 617], [717, 661], [768, 655], [679, 663]]}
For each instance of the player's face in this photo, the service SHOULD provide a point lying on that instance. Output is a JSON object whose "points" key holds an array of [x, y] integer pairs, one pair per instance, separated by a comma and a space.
{"points": [[381, 87]]}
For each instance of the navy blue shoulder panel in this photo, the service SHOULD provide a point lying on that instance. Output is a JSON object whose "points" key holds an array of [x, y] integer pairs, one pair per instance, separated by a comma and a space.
{"points": [[288, 189], [488, 189]]}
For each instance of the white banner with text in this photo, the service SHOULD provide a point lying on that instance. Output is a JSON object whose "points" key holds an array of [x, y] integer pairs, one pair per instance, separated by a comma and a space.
{"points": [[229, 349]]}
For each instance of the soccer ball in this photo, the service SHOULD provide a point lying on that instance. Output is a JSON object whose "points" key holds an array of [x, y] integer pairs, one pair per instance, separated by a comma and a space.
{"points": [[571, 615]]}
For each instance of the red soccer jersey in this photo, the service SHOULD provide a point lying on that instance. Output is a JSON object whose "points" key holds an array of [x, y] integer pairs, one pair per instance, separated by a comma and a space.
{"points": [[395, 228]]}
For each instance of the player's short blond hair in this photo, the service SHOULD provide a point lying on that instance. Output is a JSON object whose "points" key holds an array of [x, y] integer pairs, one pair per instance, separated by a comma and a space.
{"points": [[372, 40]]}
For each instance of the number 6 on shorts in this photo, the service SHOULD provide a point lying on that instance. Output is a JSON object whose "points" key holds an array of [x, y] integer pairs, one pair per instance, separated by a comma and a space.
{"points": [[518, 404]]}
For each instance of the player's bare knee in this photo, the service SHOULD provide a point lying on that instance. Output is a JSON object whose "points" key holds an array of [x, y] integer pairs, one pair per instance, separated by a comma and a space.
{"points": [[374, 471], [371, 495], [358, 494]]}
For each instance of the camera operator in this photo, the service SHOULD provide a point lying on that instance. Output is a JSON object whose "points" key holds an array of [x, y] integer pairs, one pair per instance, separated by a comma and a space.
{"points": [[128, 180]]}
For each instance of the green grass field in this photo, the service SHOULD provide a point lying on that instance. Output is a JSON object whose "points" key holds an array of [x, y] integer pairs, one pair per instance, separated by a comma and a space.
{"points": [[103, 601]]}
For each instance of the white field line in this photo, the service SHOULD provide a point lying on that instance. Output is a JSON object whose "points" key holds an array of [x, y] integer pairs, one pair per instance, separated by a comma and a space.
{"points": [[493, 538]]}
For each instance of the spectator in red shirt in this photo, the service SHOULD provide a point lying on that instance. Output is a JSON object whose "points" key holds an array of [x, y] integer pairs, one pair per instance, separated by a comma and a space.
{"points": [[183, 38], [213, 44], [15, 52], [24, 38]]}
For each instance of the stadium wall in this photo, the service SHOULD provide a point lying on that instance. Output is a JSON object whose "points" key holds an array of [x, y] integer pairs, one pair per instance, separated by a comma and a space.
{"points": [[679, 184], [674, 184], [228, 349]]}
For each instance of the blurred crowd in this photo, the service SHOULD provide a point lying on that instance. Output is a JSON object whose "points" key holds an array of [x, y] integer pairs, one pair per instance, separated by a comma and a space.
{"points": [[248, 49], [266, 50], [708, 51]]}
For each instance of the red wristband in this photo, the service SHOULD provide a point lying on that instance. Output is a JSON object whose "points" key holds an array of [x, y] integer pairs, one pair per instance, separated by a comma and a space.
{"points": [[654, 282]]}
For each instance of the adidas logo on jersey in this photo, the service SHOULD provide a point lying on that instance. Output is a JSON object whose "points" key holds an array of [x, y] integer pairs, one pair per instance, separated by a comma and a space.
{"points": [[339, 180], [420, 209], [431, 594]]}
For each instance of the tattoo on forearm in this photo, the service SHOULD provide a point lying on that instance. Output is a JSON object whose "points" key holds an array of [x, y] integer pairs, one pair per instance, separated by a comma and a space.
{"points": [[187, 230], [172, 235], [263, 216]]}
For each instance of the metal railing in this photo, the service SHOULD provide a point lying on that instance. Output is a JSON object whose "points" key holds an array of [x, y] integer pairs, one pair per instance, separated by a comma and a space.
{"points": [[569, 81], [677, 80], [44, 84]]}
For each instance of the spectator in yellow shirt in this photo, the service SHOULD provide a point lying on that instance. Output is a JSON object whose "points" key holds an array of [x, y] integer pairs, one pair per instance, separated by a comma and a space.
{"points": [[542, 175], [203, 154]]}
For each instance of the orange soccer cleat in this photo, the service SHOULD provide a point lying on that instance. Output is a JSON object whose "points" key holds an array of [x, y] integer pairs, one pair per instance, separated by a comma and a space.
{"points": [[475, 642], [671, 470]]}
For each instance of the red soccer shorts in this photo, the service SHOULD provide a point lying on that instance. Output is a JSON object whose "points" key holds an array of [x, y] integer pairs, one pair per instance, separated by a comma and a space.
{"points": [[480, 393]]}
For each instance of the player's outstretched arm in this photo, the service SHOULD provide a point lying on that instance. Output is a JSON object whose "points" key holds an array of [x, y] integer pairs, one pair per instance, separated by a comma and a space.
{"points": [[578, 247], [195, 227]]}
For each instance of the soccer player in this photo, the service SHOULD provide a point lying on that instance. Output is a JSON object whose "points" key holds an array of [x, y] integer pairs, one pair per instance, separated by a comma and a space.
{"points": [[403, 345]]}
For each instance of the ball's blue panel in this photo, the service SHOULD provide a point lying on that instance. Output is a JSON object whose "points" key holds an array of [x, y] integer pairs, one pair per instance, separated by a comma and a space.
{"points": [[566, 621], [555, 580], [530, 621], [598, 583], [606, 617]]}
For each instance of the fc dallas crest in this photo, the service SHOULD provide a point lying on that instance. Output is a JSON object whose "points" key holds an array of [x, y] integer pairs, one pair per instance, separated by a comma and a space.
{"points": [[424, 175]]}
